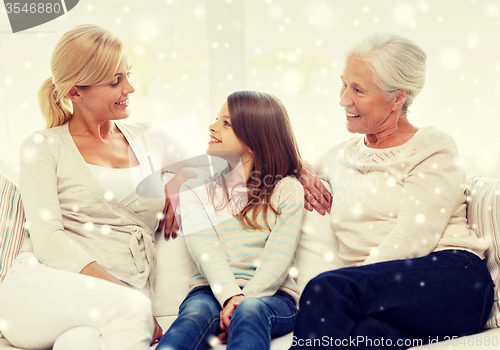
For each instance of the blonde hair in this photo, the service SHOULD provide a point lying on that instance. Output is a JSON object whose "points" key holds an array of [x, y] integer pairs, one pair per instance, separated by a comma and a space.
{"points": [[84, 56]]}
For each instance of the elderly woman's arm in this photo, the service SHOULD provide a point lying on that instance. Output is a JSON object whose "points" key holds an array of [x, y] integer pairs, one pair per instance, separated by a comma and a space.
{"points": [[432, 191]]}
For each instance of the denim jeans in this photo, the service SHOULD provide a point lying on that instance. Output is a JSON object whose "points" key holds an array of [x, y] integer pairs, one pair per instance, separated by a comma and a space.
{"points": [[253, 323], [395, 304]]}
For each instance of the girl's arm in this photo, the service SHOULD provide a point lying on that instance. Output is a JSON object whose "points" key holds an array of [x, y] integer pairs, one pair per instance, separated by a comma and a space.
{"points": [[204, 245], [279, 251]]}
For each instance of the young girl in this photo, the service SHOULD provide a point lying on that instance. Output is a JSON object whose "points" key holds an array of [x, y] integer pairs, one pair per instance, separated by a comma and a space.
{"points": [[242, 289]]}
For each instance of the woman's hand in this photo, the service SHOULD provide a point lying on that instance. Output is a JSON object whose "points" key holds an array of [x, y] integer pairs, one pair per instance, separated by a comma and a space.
{"points": [[316, 196], [169, 222], [158, 333]]}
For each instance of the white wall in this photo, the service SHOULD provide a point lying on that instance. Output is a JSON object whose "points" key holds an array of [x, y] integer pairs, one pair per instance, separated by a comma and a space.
{"points": [[189, 54]]}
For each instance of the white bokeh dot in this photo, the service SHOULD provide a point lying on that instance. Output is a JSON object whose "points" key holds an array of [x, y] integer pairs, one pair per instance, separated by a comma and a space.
{"points": [[108, 195], [94, 313], [374, 252], [328, 256], [106, 229], [88, 226], [199, 11], [420, 218], [390, 182], [217, 288], [423, 6], [492, 10], [45, 214]]}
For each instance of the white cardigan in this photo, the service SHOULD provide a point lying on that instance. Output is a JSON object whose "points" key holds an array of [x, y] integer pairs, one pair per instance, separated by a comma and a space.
{"points": [[73, 221]]}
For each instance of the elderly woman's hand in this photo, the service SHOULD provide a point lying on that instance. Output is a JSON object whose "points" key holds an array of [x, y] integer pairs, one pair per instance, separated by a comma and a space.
{"points": [[316, 196]]}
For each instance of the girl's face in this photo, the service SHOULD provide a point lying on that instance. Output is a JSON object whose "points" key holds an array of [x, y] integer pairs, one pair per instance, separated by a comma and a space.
{"points": [[109, 101], [223, 138]]}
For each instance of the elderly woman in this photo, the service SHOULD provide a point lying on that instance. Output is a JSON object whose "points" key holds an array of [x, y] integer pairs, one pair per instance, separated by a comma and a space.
{"points": [[414, 270]]}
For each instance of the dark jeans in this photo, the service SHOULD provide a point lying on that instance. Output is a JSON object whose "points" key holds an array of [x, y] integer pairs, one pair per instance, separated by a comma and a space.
{"points": [[395, 304], [253, 323]]}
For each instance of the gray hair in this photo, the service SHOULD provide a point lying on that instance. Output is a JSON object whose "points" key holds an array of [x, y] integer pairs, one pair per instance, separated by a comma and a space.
{"points": [[396, 62]]}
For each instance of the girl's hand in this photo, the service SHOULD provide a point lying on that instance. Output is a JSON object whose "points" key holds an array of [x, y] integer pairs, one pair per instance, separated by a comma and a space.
{"points": [[316, 196], [227, 311], [158, 333]]}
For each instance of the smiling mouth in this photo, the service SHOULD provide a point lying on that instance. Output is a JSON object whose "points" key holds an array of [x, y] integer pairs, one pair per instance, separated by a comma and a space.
{"points": [[122, 102], [213, 139], [350, 115]]}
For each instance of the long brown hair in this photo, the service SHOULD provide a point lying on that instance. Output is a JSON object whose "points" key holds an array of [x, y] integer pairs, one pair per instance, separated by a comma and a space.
{"points": [[261, 121]]}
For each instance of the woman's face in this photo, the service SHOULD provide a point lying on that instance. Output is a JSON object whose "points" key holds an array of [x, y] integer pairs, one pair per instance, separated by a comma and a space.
{"points": [[223, 138], [367, 109], [109, 101]]}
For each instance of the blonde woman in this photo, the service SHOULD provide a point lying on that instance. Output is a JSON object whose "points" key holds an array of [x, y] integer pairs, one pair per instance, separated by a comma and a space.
{"points": [[81, 279]]}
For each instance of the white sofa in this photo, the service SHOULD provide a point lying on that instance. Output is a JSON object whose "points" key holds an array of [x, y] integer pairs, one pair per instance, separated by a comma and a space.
{"points": [[317, 253]]}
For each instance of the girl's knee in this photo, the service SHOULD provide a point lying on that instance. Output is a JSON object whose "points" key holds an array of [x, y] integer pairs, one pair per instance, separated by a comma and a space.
{"points": [[200, 307], [249, 307]]}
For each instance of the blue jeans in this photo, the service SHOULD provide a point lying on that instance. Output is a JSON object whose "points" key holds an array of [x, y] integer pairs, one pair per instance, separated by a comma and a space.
{"points": [[395, 304], [253, 323]]}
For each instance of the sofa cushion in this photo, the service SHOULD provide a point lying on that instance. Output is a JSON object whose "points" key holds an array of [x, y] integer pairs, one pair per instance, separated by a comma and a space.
{"points": [[483, 207], [12, 222], [318, 247]]}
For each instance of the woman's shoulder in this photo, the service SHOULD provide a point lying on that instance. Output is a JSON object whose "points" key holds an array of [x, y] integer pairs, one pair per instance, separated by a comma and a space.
{"points": [[434, 138], [44, 137]]}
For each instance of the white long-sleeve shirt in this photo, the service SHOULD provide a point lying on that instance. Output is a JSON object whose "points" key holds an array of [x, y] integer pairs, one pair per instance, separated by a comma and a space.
{"points": [[399, 202]]}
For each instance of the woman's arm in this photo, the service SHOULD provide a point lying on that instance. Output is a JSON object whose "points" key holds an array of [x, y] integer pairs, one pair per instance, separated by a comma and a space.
{"points": [[431, 192], [279, 250], [40, 193]]}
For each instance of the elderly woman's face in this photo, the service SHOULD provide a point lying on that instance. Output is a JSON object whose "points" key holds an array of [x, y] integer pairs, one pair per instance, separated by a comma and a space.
{"points": [[367, 109]]}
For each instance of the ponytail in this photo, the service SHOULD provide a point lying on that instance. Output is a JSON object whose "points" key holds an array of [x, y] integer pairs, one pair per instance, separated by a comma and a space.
{"points": [[56, 110]]}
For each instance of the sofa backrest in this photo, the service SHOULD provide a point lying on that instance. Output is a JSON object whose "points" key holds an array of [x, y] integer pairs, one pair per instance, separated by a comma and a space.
{"points": [[317, 253]]}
